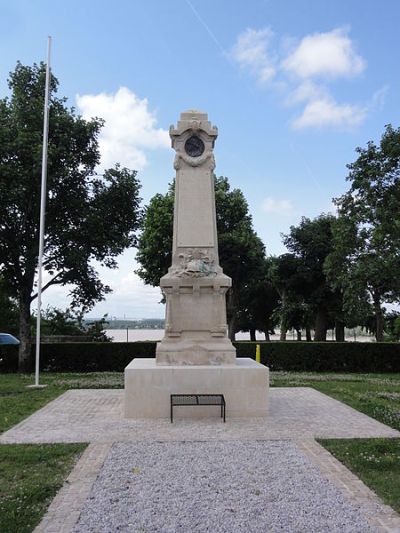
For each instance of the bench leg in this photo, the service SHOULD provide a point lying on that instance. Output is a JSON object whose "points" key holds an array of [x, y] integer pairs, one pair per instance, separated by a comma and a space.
{"points": [[224, 412], [171, 412]]}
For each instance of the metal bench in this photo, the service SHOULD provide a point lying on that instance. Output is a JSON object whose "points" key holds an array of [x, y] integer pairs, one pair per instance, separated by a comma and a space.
{"points": [[197, 399]]}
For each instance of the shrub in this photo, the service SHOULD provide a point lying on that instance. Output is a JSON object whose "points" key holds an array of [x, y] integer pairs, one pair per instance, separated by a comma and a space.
{"points": [[326, 356], [289, 356], [8, 358]]}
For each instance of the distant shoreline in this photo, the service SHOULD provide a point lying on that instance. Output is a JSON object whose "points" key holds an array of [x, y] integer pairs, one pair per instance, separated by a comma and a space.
{"points": [[129, 334]]}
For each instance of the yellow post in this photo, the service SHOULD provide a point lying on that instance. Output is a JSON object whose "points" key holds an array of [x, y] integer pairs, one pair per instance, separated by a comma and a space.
{"points": [[258, 353]]}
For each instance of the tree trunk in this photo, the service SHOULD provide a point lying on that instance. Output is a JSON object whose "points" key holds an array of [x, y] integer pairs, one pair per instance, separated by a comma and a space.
{"points": [[339, 331], [252, 334], [320, 325], [298, 331], [267, 337], [283, 327], [231, 317], [231, 329], [308, 334], [379, 319], [24, 353]]}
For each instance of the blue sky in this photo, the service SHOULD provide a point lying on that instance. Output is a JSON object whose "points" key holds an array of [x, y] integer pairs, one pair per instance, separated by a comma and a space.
{"points": [[293, 86]]}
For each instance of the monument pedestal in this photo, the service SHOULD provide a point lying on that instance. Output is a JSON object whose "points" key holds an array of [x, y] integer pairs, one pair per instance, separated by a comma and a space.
{"points": [[148, 387], [195, 355]]}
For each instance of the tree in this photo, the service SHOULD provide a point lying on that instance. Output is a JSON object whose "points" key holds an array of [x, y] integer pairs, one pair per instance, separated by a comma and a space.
{"points": [[88, 217], [8, 311], [241, 251], [311, 243], [366, 254], [392, 325], [58, 322], [258, 302], [288, 276]]}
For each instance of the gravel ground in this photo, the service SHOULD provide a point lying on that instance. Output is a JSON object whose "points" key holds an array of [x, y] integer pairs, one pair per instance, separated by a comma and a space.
{"points": [[215, 487]]}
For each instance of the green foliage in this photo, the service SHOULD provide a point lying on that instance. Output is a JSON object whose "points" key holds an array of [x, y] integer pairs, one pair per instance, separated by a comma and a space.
{"points": [[8, 311], [19, 401], [289, 356], [96, 330], [259, 300], [81, 356], [306, 297], [88, 217], [155, 242], [366, 259], [325, 356], [374, 461], [392, 326], [31, 476], [57, 322], [241, 251]]}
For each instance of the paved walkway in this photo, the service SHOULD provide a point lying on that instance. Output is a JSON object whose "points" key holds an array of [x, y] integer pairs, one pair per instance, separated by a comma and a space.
{"points": [[96, 416], [296, 414]]}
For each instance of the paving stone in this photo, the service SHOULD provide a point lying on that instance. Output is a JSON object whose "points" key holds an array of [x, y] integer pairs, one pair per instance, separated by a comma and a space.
{"points": [[96, 416], [300, 414]]}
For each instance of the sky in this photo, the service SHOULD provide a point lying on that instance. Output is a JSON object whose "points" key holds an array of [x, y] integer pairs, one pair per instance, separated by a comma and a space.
{"points": [[294, 86]]}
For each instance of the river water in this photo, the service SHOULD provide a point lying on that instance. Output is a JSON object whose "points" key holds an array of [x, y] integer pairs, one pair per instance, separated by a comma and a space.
{"points": [[132, 335]]}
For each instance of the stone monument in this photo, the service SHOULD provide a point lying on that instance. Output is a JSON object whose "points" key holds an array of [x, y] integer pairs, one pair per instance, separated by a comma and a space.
{"points": [[195, 286], [195, 355]]}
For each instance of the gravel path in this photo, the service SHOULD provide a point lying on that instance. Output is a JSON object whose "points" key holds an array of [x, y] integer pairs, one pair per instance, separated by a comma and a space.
{"points": [[215, 487]]}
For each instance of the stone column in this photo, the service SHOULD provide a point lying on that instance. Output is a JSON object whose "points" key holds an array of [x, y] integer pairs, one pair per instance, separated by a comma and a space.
{"points": [[195, 286]]}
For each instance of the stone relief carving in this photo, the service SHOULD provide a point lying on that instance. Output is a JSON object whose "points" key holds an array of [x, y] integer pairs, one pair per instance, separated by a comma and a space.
{"points": [[194, 161], [196, 263]]}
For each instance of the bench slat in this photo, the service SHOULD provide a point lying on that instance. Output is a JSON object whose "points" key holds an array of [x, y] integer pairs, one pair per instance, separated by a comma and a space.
{"points": [[198, 399]]}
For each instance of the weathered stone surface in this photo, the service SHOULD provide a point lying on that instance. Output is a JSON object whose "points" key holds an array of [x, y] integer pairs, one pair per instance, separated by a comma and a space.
{"points": [[244, 386], [195, 286]]}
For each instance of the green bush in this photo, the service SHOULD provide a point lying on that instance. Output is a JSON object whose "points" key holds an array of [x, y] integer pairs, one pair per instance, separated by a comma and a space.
{"points": [[290, 356], [326, 356], [8, 358], [80, 356]]}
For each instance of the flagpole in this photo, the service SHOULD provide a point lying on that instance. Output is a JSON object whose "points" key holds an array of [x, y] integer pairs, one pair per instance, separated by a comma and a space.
{"points": [[42, 210]]}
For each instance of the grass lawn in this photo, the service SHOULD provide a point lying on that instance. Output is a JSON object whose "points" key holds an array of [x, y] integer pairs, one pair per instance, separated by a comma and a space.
{"points": [[17, 402], [375, 461], [30, 475]]}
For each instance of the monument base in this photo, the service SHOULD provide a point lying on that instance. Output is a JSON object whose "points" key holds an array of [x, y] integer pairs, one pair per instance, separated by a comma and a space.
{"points": [[148, 387]]}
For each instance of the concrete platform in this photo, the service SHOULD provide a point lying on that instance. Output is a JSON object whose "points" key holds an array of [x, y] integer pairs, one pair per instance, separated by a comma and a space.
{"points": [[148, 387]]}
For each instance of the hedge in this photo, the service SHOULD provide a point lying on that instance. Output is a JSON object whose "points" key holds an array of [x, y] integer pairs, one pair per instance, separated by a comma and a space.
{"points": [[289, 356]]}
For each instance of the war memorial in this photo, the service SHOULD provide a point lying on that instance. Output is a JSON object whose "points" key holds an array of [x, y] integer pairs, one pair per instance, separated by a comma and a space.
{"points": [[195, 356]]}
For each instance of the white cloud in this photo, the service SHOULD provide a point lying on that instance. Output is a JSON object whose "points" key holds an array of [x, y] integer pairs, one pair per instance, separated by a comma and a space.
{"points": [[303, 74], [251, 51], [379, 97], [130, 297], [328, 54], [130, 127], [280, 207], [305, 92], [325, 112]]}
